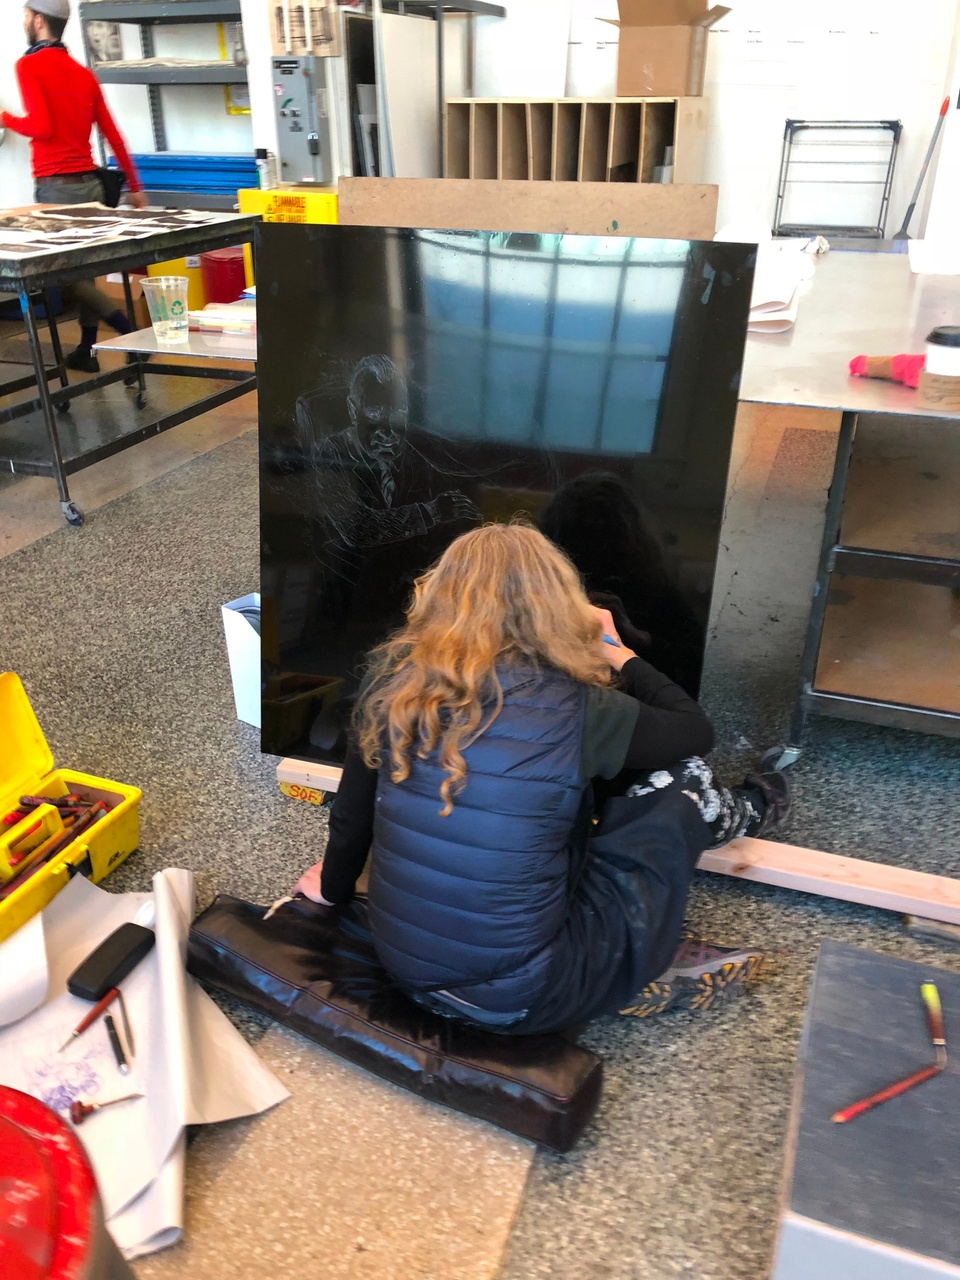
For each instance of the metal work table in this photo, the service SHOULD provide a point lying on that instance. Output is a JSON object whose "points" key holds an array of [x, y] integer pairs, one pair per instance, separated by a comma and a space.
{"points": [[858, 303], [30, 440], [203, 346]]}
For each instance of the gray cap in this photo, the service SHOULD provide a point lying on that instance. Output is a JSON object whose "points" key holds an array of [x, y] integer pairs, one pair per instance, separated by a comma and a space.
{"points": [[51, 8]]}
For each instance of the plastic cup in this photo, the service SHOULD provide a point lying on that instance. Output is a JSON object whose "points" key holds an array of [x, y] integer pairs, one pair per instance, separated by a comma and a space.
{"points": [[167, 300]]}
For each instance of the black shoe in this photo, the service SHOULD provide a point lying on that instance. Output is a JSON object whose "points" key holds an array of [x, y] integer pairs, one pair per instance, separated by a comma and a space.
{"points": [[82, 360], [772, 790]]}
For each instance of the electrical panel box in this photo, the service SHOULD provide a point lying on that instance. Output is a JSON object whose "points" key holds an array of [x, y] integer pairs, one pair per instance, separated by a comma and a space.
{"points": [[305, 107]]}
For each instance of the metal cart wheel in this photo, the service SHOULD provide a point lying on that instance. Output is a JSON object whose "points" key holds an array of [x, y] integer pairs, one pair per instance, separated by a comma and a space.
{"points": [[72, 514]]}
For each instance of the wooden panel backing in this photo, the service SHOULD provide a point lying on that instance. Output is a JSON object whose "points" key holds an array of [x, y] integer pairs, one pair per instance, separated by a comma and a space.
{"points": [[539, 140], [659, 125], [599, 208], [623, 156], [566, 140], [456, 151], [483, 139], [594, 141], [512, 155]]}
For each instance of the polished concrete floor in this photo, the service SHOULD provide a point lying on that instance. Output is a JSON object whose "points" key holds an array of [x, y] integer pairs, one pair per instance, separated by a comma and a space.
{"points": [[679, 1175]]}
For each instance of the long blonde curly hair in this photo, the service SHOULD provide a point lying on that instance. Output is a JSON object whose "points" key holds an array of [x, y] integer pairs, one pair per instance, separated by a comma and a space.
{"points": [[499, 595]]}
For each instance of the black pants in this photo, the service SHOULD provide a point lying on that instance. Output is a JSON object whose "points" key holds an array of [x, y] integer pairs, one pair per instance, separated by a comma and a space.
{"points": [[628, 898], [92, 305]]}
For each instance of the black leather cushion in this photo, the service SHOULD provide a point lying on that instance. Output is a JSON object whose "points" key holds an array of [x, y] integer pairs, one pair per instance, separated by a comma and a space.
{"points": [[314, 969]]}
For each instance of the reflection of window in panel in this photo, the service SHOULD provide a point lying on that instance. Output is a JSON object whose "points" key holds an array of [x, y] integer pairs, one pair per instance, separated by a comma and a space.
{"points": [[573, 394], [454, 380], [513, 373], [458, 302], [519, 288], [648, 313], [587, 296], [632, 398]]}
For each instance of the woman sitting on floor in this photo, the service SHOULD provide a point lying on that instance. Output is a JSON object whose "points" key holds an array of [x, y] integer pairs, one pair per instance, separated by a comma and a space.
{"points": [[495, 894]]}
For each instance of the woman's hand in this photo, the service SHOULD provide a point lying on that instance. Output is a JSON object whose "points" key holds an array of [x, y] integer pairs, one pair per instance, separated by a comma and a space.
{"points": [[309, 885], [614, 650]]}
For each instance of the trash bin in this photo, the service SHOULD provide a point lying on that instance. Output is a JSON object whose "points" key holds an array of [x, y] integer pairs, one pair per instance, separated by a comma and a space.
{"points": [[224, 277]]}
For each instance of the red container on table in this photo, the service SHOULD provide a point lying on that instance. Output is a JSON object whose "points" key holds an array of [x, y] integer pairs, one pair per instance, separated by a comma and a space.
{"points": [[224, 277]]}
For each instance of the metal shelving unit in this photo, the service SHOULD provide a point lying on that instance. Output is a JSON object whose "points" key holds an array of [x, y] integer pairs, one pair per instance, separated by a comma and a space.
{"points": [[146, 15], [159, 12], [202, 73]]}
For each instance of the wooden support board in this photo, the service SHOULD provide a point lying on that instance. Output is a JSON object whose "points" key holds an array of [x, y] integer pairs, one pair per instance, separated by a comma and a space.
{"points": [[595, 208], [872, 884], [829, 875]]}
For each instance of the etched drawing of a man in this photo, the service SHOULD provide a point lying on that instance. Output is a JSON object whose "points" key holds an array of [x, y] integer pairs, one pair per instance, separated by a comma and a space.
{"points": [[377, 480]]}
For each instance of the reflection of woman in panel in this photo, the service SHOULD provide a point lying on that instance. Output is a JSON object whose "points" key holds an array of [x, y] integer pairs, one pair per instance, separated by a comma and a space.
{"points": [[596, 520], [494, 897]]}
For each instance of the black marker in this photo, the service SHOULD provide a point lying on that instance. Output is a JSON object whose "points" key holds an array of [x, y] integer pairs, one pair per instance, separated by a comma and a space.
{"points": [[116, 1045]]}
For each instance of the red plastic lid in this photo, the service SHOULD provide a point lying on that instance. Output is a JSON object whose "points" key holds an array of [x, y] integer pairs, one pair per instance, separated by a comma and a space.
{"points": [[47, 1193], [224, 255]]}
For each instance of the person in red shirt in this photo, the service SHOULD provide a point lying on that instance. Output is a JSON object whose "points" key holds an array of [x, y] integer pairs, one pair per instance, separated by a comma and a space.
{"points": [[62, 103]]}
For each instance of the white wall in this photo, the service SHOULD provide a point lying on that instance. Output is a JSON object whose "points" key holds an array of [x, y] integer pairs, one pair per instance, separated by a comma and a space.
{"points": [[768, 61], [846, 59], [523, 55], [943, 192]]}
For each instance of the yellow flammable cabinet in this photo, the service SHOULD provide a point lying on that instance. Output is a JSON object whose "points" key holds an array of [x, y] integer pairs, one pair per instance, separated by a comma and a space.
{"points": [[287, 204], [26, 768]]}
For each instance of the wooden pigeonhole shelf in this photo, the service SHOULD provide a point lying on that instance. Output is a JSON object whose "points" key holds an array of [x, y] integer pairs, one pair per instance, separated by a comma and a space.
{"points": [[574, 139]]}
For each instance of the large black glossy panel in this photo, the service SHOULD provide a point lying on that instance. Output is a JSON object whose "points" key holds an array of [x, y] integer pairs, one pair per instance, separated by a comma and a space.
{"points": [[414, 383]]}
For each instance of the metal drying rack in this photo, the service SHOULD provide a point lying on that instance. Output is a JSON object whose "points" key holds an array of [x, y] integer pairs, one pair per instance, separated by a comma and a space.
{"points": [[799, 135]]}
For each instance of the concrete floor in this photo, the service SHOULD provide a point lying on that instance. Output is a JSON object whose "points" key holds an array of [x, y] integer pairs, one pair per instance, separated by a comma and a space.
{"points": [[679, 1175]]}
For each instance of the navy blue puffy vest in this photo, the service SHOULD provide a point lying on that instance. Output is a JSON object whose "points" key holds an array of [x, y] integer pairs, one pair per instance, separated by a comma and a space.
{"points": [[469, 903]]}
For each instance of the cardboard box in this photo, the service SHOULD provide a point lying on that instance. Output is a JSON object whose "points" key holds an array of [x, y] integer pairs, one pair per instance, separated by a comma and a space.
{"points": [[112, 286], [663, 47]]}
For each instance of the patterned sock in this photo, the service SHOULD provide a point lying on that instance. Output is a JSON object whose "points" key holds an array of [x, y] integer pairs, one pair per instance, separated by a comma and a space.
{"points": [[728, 814]]}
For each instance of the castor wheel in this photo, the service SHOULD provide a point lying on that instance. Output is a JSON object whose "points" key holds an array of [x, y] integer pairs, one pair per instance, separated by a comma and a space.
{"points": [[140, 400], [783, 756], [72, 514], [63, 407]]}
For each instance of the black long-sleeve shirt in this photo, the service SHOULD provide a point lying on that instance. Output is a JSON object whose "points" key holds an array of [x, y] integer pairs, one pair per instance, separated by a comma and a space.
{"points": [[649, 723]]}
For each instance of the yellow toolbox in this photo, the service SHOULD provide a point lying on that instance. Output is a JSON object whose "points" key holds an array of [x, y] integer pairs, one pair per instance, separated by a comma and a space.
{"points": [[26, 768], [287, 204]]}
